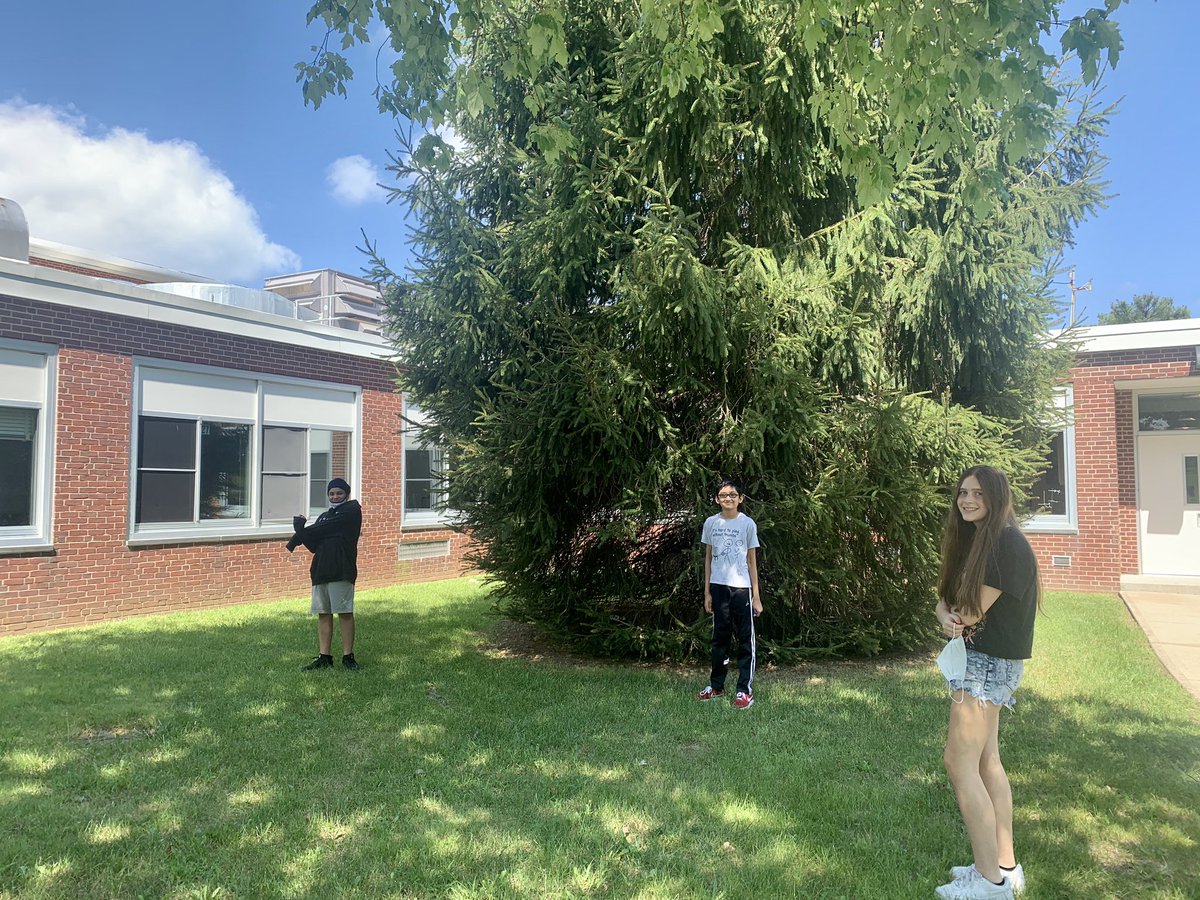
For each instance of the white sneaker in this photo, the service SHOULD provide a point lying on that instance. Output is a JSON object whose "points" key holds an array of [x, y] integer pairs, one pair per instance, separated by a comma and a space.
{"points": [[973, 886], [1016, 877]]}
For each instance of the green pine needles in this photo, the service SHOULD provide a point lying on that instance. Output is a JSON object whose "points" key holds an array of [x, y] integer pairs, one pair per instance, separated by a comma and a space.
{"points": [[806, 245]]}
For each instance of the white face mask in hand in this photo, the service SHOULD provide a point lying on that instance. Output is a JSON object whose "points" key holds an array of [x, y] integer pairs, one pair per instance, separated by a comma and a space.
{"points": [[953, 660]]}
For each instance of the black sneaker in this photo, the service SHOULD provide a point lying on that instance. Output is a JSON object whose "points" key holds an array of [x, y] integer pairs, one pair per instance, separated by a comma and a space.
{"points": [[321, 662], [349, 662]]}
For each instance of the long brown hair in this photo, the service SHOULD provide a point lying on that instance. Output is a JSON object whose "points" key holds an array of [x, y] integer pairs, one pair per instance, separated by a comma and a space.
{"points": [[966, 547]]}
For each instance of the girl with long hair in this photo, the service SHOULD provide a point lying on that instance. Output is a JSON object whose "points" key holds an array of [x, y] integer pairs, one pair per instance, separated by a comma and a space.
{"points": [[988, 593]]}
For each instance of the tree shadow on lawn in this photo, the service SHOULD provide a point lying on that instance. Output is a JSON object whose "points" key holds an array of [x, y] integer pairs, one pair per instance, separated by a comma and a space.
{"points": [[175, 755]]}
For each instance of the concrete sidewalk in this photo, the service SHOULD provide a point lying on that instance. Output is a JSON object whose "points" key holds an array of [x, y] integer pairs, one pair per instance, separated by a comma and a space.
{"points": [[1172, 623]]}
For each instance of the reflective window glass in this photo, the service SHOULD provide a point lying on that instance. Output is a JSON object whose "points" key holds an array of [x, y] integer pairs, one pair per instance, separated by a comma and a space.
{"points": [[18, 440], [1169, 412], [224, 471]]}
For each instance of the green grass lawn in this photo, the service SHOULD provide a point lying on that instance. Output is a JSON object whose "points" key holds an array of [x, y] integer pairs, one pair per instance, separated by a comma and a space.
{"points": [[188, 756]]}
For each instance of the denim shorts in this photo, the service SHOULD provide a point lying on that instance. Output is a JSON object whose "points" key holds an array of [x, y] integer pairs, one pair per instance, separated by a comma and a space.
{"points": [[990, 679]]}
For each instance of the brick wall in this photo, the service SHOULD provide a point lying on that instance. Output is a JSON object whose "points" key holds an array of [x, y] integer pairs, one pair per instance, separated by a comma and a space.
{"points": [[92, 574], [1106, 545], [82, 270]]}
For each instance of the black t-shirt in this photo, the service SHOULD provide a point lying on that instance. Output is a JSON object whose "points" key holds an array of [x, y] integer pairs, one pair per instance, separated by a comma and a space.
{"points": [[1006, 630]]}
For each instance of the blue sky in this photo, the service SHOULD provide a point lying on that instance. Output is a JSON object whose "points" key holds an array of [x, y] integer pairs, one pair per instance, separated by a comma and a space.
{"points": [[175, 134]]}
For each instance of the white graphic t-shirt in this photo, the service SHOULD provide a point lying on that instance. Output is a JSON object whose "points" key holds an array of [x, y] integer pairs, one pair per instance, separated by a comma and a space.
{"points": [[730, 540]]}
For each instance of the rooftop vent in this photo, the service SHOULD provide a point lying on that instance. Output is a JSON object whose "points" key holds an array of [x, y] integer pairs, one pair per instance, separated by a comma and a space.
{"points": [[14, 231]]}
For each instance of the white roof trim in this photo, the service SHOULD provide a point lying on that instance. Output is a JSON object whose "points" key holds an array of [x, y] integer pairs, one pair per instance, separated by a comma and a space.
{"points": [[1139, 336], [47, 285]]}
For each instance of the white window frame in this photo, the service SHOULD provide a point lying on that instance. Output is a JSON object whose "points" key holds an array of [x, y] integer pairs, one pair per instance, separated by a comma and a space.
{"points": [[414, 417], [36, 536], [212, 530], [1064, 404]]}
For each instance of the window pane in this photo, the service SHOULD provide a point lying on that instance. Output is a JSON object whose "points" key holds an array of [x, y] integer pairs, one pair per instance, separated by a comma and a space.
{"points": [[418, 464], [224, 471], [283, 497], [1191, 480], [1169, 412], [319, 470], [167, 444], [18, 429], [339, 450], [320, 467], [166, 497], [329, 457], [1049, 494], [283, 450], [418, 496]]}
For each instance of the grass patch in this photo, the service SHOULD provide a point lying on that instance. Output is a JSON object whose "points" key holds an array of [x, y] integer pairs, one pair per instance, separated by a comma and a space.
{"points": [[187, 756]]}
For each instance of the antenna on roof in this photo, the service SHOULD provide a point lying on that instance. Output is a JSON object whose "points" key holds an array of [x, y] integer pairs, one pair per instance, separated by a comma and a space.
{"points": [[1075, 290]]}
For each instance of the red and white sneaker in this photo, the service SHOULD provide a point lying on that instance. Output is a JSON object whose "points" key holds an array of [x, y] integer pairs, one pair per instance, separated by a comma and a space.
{"points": [[743, 700], [709, 693]]}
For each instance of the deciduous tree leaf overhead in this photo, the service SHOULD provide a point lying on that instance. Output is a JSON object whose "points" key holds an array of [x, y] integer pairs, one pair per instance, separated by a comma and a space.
{"points": [[807, 244]]}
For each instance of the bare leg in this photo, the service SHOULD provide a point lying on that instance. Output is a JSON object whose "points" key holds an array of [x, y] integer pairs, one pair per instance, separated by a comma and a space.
{"points": [[346, 626], [971, 725], [324, 632], [995, 780]]}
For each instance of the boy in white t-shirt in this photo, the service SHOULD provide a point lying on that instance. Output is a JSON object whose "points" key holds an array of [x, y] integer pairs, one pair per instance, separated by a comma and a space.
{"points": [[731, 593]]}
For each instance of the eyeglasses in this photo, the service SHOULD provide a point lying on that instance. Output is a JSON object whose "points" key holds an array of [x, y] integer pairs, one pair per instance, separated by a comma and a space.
{"points": [[728, 496]]}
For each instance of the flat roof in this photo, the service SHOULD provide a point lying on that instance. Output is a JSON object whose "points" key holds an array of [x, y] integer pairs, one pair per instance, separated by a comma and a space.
{"points": [[44, 284], [1139, 336]]}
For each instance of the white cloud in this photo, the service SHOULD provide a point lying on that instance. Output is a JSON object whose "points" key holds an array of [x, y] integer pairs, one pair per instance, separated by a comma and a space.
{"points": [[122, 194], [354, 180]]}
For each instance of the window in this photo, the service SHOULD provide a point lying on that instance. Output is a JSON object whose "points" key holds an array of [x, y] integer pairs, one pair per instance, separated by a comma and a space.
{"points": [[1049, 494], [297, 464], [1052, 498], [285, 474], [424, 474], [224, 453], [328, 458], [18, 440], [172, 487], [26, 444], [1169, 412]]}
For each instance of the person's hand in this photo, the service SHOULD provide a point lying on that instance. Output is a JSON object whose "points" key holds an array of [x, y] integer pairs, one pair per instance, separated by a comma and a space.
{"points": [[298, 522], [708, 602], [952, 625], [756, 605]]}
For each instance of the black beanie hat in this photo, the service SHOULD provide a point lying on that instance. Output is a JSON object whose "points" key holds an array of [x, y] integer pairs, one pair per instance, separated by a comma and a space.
{"points": [[338, 483]]}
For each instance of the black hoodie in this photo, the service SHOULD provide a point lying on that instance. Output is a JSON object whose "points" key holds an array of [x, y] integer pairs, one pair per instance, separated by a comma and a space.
{"points": [[333, 541]]}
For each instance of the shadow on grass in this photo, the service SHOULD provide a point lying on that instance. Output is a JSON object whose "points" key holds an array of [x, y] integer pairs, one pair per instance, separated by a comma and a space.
{"points": [[176, 756]]}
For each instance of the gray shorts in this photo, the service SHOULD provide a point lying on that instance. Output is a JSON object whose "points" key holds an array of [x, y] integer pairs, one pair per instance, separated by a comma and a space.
{"points": [[990, 679], [334, 597]]}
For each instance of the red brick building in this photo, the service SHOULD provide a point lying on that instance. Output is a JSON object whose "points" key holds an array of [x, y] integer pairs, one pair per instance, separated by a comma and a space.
{"points": [[1122, 496], [154, 447]]}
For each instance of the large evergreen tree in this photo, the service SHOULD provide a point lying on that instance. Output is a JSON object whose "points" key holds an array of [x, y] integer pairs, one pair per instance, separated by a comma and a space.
{"points": [[801, 243]]}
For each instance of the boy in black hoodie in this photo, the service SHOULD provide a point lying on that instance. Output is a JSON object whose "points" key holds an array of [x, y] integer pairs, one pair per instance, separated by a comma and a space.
{"points": [[333, 542]]}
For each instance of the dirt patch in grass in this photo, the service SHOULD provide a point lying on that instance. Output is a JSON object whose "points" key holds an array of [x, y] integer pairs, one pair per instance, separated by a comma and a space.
{"points": [[518, 640], [115, 733]]}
